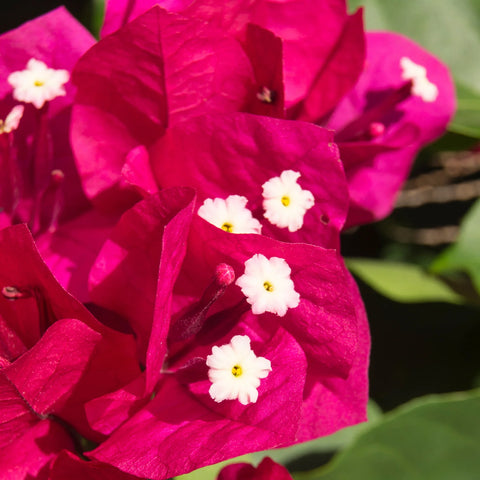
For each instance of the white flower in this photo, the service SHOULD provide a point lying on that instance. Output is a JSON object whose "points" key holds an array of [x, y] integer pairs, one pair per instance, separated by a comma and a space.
{"points": [[235, 371], [230, 215], [12, 120], [285, 202], [38, 83], [421, 86], [267, 285]]}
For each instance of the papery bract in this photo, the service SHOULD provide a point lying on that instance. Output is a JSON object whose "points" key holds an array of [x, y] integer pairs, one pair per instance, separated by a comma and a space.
{"points": [[67, 465], [310, 29], [58, 40], [266, 470], [137, 267], [183, 417], [158, 70], [40, 185], [33, 389], [32, 300]]}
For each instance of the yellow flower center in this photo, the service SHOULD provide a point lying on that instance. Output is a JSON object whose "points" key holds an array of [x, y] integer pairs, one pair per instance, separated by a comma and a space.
{"points": [[285, 201], [38, 83], [268, 286], [236, 370], [228, 227]]}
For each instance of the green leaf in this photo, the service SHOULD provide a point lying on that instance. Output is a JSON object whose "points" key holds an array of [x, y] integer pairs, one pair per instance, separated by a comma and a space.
{"points": [[432, 438], [98, 10], [464, 255], [337, 441], [467, 118], [449, 29], [402, 282], [211, 472]]}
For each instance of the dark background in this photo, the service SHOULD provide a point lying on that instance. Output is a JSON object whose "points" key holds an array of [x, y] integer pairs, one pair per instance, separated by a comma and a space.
{"points": [[15, 12]]}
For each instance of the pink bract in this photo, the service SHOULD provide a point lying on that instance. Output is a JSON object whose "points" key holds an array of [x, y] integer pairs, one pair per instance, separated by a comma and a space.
{"points": [[155, 72], [266, 470], [40, 185], [32, 300], [310, 29]]}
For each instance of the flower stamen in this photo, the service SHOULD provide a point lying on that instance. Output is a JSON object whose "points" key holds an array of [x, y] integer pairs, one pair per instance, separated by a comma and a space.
{"points": [[268, 286], [227, 227]]}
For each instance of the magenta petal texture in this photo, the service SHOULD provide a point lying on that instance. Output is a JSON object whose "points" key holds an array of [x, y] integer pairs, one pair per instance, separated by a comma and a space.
{"points": [[58, 40], [32, 300], [310, 29], [137, 267], [156, 71], [266, 470]]}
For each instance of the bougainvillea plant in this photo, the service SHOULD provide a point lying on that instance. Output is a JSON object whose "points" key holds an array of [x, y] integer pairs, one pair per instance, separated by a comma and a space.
{"points": [[173, 293]]}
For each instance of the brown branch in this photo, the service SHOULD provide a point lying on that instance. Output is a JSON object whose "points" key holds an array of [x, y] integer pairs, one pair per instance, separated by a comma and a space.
{"points": [[424, 236], [443, 194]]}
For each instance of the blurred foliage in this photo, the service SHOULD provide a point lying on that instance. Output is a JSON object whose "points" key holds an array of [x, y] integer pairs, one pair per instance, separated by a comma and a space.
{"points": [[402, 282], [450, 30], [295, 457], [429, 438], [465, 253]]}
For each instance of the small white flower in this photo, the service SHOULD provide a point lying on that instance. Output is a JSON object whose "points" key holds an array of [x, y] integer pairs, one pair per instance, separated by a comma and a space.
{"points": [[38, 83], [285, 202], [12, 120], [267, 285], [230, 215], [421, 87], [235, 371]]}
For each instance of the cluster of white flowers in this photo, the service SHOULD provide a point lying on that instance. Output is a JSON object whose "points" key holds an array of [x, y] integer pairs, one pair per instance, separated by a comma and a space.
{"points": [[284, 201]]}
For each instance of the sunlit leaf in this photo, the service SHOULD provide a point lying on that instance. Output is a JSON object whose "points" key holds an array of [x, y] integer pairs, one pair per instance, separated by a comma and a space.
{"points": [[402, 282], [467, 118]]}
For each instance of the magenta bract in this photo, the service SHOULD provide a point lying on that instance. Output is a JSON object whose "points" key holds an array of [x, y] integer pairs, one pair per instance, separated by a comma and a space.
{"points": [[155, 72], [32, 300], [266, 470], [309, 29]]}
